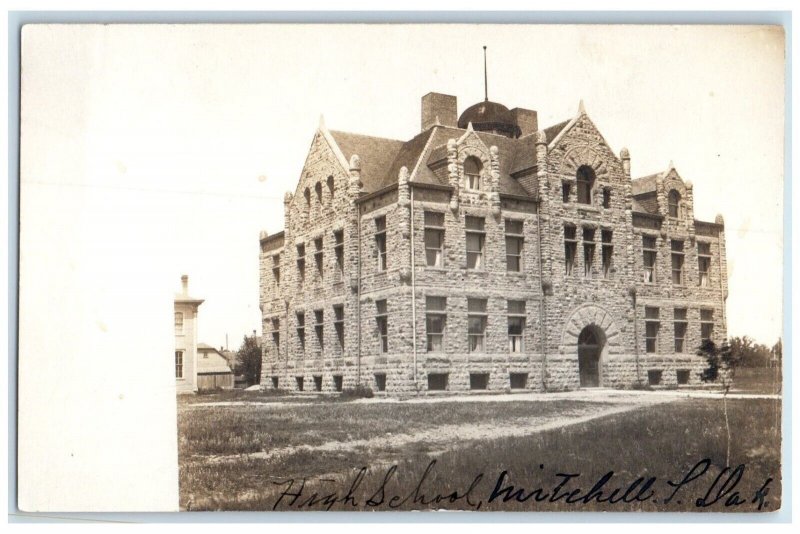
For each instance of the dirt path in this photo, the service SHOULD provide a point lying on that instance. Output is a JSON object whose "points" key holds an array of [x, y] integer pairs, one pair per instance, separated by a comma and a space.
{"points": [[445, 437]]}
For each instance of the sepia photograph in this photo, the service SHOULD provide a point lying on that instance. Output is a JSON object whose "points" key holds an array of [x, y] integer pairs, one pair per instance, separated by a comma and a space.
{"points": [[413, 267]]}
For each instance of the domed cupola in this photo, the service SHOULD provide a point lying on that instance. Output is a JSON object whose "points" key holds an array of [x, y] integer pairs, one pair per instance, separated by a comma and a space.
{"points": [[490, 117]]}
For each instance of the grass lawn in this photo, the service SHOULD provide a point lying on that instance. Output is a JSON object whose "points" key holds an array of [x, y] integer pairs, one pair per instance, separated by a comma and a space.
{"points": [[663, 441]]}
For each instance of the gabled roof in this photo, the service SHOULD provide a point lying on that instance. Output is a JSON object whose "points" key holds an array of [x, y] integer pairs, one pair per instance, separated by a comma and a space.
{"points": [[210, 360], [645, 184], [376, 154]]}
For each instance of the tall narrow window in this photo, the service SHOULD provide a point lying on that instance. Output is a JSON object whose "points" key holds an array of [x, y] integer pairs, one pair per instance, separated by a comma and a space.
{"points": [[435, 318], [677, 262], [588, 252], [704, 263], [276, 269], [674, 203], [651, 327], [318, 256], [179, 323], [679, 325], [472, 173], [307, 196], [319, 317], [608, 252], [649, 252], [338, 249], [380, 242], [585, 179], [318, 191], [514, 244], [476, 240], [570, 248], [301, 263], [476, 325], [434, 239], [331, 187], [382, 319], [566, 189], [178, 364], [338, 324], [276, 333], [606, 197], [301, 330], [516, 326], [706, 324]]}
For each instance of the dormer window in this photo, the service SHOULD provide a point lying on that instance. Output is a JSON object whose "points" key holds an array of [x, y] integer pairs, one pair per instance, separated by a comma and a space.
{"points": [[472, 173], [585, 179], [674, 203]]}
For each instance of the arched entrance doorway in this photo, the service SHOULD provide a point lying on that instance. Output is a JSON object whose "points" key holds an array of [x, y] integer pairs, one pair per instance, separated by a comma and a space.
{"points": [[590, 346]]}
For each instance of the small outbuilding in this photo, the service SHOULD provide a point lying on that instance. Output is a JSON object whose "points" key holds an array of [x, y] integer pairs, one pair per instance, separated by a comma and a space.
{"points": [[213, 371]]}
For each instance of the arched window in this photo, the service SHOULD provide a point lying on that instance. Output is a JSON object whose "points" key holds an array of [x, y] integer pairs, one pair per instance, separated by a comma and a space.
{"points": [[307, 195], [318, 191], [585, 179], [330, 185], [472, 172], [674, 203]]}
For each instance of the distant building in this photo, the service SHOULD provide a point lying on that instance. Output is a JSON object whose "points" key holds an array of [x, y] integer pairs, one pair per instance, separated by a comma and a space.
{"points": [[213, 369], [487, 253], [186, 339]]}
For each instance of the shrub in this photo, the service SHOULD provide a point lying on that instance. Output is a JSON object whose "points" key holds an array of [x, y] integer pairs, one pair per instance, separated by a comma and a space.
{"points": [[359, 392]]}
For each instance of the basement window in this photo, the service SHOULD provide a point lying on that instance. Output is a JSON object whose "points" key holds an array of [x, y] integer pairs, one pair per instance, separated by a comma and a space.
{"points": [[682, 376], [299, 381], [519, 380], [317, 383], [275, 382], [437, 381], [478, 380], [654, 377], [380, 381], [337, 382]]}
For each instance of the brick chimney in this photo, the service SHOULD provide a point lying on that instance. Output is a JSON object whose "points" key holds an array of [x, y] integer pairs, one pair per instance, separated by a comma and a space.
{"points": [[439, 109], [185, 284], [526, 119]]}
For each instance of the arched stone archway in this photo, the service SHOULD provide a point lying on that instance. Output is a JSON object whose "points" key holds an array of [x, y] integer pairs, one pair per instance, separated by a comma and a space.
{"points": [[590, 336], [591, 342]]}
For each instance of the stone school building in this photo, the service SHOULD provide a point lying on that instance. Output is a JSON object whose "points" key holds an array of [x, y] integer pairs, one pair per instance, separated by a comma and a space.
{"points": [[487, 253]]}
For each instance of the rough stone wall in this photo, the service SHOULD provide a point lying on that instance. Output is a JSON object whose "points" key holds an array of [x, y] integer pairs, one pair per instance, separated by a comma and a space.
{"points": [[558, 306]]}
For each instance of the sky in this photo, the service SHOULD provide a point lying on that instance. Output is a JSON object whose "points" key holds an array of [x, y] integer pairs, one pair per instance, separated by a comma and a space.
{"points": [[149, 152]]}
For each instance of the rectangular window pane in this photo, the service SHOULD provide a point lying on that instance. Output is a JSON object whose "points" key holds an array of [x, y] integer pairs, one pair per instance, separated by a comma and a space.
{"points": [[436, 303], [475, 223], [434, 219], [516, 307], [514, 227], [476, 305]]}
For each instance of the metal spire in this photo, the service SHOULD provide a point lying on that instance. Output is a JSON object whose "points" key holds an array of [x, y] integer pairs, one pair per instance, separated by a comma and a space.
{"points": [[485, 77]]}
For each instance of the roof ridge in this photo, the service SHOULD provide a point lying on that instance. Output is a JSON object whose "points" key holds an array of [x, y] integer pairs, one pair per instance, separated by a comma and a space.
{"points": [[369, 136]]}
